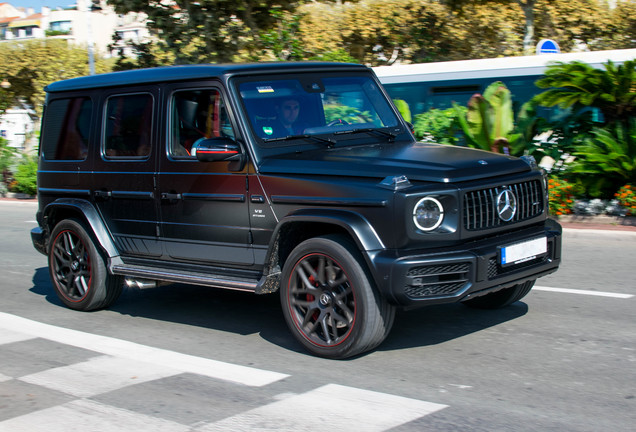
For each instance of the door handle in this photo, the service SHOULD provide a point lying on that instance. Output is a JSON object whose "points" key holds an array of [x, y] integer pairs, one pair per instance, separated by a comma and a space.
{"points": [[170, 196], [102, 194]]}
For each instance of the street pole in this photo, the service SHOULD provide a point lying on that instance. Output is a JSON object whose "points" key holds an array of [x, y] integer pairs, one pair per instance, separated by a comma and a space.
{"points": [[91, 54]]}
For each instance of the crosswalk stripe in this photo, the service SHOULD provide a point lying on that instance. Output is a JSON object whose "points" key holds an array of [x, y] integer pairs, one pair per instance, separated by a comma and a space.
{"points": [[85, 415], [98, 375], [142, 353], [7, 336], [333, 407]]}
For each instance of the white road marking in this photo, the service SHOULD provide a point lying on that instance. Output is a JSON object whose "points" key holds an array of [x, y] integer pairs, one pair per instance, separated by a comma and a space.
{"points": [[142, 353], [85, 415], [331, 407], [98, 375], [8, 336], [583, 292]]}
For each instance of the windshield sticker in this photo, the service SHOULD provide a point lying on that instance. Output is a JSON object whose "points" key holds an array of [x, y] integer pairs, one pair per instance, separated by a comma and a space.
{"points": [[268, 130], [265, 89]]}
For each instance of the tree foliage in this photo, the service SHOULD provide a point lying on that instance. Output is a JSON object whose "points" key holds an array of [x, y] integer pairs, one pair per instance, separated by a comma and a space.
{"points": [[30, 66], [207, 30]]}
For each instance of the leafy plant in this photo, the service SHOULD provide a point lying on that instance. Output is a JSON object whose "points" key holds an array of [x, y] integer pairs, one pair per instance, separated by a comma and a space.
{"points": [[404, 109], [577, 85], [26, 176], [440, 126], [489, 122], [626, 197], [7, 156], [607, 159]]}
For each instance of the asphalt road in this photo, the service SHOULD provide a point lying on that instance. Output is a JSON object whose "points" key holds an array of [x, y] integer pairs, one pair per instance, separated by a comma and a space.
{"points": [[196, 359]]}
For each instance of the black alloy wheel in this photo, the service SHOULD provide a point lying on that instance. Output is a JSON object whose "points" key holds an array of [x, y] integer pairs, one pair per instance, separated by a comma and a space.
{"points": [[78, 271], [329, 302], [322, 301]]}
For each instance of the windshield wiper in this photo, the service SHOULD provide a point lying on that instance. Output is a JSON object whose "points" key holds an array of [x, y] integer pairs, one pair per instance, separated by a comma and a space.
{"points": [[330, 143], [387, 134]]}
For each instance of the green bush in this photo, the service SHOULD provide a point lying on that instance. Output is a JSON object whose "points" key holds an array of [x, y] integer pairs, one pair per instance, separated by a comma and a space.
{"points": [[25, 177]]}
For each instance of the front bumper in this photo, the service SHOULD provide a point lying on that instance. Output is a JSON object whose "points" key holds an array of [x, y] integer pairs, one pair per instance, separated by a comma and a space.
{"points": [[458, 273]]}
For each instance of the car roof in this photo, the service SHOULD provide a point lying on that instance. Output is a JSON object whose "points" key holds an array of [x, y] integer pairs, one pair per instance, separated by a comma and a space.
{"points": [[191, 72]]}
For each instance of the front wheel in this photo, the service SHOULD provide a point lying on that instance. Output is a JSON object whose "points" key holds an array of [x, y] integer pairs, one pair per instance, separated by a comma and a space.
{"points": [[329, 301], [78, 270], [502, 298]]}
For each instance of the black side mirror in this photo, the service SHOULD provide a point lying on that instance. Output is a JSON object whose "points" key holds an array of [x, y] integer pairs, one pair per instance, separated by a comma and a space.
{"points": [[216, 149]]}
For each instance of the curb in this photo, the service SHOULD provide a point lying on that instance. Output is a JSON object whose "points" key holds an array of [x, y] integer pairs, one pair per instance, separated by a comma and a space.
{"points": [[603, 222], [17, 196]]}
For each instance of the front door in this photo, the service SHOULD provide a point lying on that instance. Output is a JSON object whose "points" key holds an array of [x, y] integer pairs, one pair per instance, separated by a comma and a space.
{"points": [[204, 209]]}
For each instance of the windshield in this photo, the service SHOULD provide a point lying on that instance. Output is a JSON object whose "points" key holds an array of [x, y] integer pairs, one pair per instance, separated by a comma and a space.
{"points": [[301, 108]]}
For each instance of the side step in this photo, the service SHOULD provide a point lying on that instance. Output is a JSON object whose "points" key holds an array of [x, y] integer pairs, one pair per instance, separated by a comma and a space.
{"points": [[205, 279]]}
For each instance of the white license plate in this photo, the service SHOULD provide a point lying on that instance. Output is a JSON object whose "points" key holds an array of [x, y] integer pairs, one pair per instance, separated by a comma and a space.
{"points": [[526, 251]]}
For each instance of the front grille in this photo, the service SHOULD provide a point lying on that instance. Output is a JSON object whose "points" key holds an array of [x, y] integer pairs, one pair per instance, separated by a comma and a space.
{"points": [[436, 280], [480, 206]]}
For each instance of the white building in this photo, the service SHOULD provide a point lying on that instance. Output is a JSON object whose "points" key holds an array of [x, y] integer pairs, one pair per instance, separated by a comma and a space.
{"points": [[17, 127], [82, 24]]}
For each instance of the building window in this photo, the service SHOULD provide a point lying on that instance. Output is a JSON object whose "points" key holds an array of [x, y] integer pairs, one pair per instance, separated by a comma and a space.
{"points": [[59, 28]]}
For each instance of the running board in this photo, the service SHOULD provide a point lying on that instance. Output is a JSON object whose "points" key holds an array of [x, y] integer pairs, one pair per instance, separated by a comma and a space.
{"points": [[215, 281]]}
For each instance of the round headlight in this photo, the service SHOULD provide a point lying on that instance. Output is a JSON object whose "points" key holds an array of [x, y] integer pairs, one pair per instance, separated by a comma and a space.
{"points": [[428, 214]]}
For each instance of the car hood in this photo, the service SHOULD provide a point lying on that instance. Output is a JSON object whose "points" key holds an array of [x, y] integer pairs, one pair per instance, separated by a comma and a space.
{"points": [[417, 161]]}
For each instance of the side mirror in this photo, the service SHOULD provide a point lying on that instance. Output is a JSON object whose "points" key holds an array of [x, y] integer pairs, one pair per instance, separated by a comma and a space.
{"points": [[216, 149]]}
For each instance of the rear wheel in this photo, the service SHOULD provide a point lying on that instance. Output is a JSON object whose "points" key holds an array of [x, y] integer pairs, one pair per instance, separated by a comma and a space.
{"points": [[502, 298], [329, 302], [78, 271]]}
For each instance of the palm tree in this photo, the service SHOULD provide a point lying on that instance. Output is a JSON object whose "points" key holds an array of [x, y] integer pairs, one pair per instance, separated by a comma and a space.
{"points": [[577, 85]]}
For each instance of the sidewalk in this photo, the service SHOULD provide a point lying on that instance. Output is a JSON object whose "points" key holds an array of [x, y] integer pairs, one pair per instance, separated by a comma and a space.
{"points": [[607, 223]]}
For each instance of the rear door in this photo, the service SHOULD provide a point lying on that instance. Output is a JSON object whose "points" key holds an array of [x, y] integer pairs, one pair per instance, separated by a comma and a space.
{"points": [[124, 179]]}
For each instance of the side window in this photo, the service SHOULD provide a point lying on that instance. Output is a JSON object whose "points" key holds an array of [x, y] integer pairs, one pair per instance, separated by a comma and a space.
{"points": [[128, 126], [66, 129], [196, 115]]}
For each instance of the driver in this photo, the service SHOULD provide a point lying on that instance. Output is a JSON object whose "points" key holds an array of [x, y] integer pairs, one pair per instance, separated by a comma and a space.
{"points": [[287, 118]]}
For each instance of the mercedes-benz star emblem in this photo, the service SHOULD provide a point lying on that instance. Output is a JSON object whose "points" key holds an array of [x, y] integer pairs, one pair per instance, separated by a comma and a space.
{"points": [[506, 205]]}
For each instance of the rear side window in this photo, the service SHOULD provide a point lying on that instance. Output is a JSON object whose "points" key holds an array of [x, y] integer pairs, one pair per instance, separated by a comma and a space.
{"points": [[128, 126], [67, 129]]}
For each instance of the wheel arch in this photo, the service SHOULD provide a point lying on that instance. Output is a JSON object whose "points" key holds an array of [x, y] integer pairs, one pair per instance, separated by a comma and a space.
{"points": [[66, 208], [305, 224]]}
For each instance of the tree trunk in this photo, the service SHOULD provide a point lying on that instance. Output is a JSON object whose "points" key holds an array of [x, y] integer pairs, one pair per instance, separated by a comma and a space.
{"points": [[528, 40]]}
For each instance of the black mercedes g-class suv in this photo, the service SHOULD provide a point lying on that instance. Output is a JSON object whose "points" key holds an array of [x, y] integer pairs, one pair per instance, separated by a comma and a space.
{"points": [[301, 178]]}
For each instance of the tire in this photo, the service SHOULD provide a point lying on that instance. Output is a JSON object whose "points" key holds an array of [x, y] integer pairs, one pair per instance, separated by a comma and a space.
{"points": [[502, 298], [329, 301], [78, 271]]}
